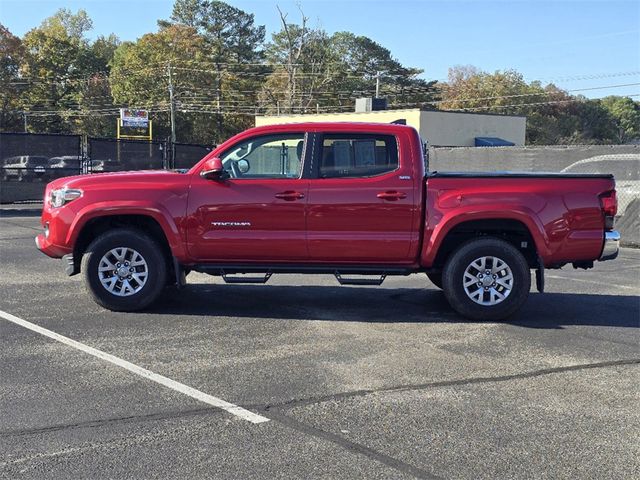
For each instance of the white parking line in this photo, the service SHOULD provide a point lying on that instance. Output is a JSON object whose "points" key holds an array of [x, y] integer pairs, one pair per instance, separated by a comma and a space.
{"points": [[592, 282], [143, 372]]}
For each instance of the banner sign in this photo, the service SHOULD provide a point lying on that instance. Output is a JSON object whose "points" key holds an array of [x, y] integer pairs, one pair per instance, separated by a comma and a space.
{"points": [[132, 117]]}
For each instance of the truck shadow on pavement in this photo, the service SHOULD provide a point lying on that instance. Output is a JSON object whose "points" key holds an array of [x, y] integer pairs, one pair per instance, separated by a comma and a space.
{"points": [[380, 305], [8, 212]]}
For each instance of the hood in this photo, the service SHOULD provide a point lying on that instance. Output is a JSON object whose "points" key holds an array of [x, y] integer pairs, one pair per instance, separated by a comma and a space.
{"points": [[132, 179]]}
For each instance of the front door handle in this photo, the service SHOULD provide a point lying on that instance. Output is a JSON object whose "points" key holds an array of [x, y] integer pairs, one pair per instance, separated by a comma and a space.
{"points": [[392, 196], [290, 195]]}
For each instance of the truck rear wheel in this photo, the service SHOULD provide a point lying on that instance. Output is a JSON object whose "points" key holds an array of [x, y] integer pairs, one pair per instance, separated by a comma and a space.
{"points": [[486, 279], [124, 270]]}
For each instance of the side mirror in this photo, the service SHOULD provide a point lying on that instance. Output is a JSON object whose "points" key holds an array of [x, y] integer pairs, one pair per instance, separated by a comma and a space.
{"points": [[243, 166], [213, 170]]}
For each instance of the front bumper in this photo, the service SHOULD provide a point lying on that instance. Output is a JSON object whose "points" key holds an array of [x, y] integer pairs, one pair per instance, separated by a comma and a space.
{"points": [[50, 249], [611, 246]]}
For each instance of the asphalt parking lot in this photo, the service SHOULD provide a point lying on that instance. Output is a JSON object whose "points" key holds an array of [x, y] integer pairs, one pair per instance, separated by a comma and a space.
{"points": [[356, 382]]}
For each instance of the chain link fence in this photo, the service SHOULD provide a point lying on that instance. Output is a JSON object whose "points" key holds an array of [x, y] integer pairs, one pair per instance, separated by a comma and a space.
{"points": [[110, 155], [28, 161], [186, 155], [623, 161]]}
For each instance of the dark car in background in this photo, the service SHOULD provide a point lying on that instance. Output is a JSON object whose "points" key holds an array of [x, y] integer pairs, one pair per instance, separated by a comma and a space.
{"points": [[67, 165]]}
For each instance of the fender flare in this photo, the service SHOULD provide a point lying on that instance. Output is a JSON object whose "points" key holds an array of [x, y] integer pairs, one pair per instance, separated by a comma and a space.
{"points": [[461, 215], [149, 209]]}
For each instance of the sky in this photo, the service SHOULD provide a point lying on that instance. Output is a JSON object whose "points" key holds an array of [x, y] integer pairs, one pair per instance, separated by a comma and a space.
{"points": [[578, 45]]}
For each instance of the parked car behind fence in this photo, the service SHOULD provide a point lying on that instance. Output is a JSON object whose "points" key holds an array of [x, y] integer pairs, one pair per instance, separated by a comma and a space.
{"points": [[26, 168]]}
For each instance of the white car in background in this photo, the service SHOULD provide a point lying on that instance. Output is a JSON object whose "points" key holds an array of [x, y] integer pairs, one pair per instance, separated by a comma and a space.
{"points": [[625, 167]]}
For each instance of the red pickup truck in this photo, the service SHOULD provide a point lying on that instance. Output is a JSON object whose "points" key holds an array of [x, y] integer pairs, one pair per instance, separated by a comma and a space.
{"points": [[347, 199]]}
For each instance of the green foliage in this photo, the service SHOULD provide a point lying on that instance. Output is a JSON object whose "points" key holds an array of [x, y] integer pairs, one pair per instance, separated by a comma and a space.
{"points": [[223, 73], [314, 71], [626, 117], [553, 116], [140, 73], [231, 43], [60, 68], [11, 57]]}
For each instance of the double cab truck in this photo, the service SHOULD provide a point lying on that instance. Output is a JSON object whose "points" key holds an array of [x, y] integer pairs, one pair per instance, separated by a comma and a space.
{"points": [[347, 199]]}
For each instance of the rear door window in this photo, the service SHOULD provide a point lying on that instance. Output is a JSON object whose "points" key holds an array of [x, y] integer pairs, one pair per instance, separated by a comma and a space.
{"points": [[362, 155]]}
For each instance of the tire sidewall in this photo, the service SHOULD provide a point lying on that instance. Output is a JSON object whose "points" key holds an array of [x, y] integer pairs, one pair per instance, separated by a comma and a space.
{"points": [[455, 267], [146, 247]]}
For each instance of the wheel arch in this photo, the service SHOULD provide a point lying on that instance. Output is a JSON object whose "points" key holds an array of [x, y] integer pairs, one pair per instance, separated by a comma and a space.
{"points": [[98, 225], [514, 231]]}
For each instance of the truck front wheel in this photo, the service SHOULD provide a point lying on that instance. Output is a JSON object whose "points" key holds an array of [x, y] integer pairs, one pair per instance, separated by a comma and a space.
{"points": [[486, 279], [124, 270]]}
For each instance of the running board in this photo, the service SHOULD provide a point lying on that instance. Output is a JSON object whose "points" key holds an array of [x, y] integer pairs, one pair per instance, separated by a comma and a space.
{"points": [[229, 279], [259, 270], [360, 281]]}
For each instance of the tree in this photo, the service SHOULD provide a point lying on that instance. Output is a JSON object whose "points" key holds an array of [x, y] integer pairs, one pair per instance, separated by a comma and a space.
{"points": [[96, 101], [362, 61], [232, 46], [55, 66], [11, 56], [302, 66], [140, 76], [626, 117], [311, 68], [553, 116]]}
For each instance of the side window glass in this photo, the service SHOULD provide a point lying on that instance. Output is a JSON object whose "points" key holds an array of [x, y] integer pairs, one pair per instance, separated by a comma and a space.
{"points": [[270, 156], [357, 155]]}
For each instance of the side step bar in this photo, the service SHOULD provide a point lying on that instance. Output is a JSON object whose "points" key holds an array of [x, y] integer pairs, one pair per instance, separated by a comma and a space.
{"points": [[239, 273], [359, 281], [260, 270], [229, 279]]}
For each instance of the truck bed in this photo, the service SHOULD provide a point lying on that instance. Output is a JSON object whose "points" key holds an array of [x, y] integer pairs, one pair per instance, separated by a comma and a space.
{"points": [[507, 174]]}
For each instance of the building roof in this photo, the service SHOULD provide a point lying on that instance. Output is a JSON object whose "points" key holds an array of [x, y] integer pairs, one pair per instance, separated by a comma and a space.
{"points": [[389, 110]]}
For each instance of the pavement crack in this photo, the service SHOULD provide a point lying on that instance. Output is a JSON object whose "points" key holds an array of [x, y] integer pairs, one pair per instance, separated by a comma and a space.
{"points": [[445, 383], [351, 446], [112, 421]]}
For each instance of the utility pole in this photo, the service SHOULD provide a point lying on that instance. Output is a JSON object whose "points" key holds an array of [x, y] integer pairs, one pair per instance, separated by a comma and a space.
{"points": [[24, 116], [378, 84], [172, 114]]}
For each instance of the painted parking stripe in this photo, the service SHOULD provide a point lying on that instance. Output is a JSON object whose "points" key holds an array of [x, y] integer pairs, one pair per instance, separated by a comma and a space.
{"points": [[592, 282], [143, 372]]}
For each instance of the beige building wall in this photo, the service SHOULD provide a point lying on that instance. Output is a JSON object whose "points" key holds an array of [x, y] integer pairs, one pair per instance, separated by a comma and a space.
{"points": [[451, 129], [437, 128]]}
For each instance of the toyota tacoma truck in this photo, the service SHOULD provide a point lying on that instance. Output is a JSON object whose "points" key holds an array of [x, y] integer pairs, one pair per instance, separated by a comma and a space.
{"points": [[347, 199]]}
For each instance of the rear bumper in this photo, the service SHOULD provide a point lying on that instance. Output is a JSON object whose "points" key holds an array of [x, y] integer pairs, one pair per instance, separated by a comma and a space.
{"points": [[611, 246]]}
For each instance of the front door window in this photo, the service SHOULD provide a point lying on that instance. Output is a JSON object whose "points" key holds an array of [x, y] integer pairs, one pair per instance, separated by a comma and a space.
{"points": [[271, 156]]}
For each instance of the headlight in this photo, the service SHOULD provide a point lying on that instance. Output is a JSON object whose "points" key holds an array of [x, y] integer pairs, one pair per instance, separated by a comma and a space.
{"points": [[63, 195]]}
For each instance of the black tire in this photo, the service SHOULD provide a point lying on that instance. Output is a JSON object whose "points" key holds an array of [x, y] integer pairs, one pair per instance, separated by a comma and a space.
{"points": [[453, 275], [436, 279], [152, 255]]}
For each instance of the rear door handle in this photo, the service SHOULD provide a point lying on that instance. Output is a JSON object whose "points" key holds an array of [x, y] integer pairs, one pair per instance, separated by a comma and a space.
{"points": [[392, 196], [290, 195]]}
